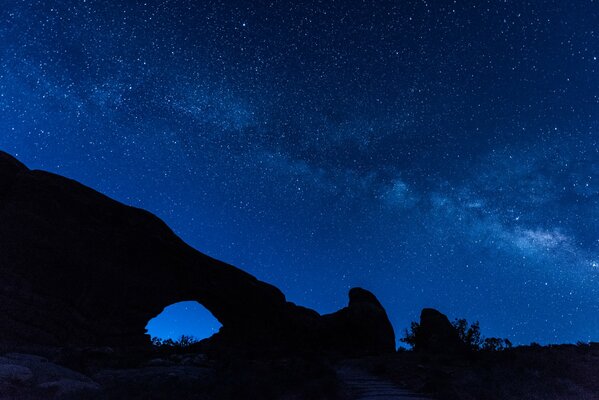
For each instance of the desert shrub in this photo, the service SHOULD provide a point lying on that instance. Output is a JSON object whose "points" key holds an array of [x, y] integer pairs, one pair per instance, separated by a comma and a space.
{"points": [[411, 336], [469, 334], [183, 342], [496, 344]]}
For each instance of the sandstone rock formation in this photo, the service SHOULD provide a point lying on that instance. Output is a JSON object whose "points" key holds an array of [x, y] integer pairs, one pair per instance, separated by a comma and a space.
{"points": [[361, 328], [436, 334], [80, 269]]}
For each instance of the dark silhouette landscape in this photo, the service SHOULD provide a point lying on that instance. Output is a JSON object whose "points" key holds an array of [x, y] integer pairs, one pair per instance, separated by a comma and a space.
{"points": [[82, 274]]}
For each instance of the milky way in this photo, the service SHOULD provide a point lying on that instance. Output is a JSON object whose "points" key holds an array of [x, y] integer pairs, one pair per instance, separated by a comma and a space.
{"points": [[441, 154]]}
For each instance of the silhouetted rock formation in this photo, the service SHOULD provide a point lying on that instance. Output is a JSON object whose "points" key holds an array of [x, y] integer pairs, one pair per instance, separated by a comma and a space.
{"points": [[80, 269], [436, 334], [360, 328]]}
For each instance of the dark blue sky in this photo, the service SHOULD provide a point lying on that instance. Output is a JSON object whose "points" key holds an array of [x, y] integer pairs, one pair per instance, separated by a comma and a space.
{"points": [[441, 154]]}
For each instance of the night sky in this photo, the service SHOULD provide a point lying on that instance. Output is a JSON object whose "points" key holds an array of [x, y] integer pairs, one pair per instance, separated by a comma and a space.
{"points": [[441, 154]]}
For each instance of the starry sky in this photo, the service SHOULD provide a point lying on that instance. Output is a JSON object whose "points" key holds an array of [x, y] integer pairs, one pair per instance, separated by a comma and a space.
{"points": [[441, 154]]}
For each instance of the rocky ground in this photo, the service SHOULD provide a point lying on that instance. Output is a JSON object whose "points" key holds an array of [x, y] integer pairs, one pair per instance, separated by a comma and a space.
{"points": [[164, 376], [564, 372], [361, 384], [526, 372]]}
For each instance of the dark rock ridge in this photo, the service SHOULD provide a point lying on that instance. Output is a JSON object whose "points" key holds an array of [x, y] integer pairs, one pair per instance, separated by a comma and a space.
{"points": [[80, 269], [436, 334]]}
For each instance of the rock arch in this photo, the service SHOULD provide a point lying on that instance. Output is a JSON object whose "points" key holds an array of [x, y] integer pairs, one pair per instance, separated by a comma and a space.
{"points": [[78, 268]]}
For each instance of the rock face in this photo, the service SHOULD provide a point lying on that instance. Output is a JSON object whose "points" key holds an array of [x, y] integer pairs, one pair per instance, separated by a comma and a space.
{"points": [[366, 321], [436, 334], [80, 269]]}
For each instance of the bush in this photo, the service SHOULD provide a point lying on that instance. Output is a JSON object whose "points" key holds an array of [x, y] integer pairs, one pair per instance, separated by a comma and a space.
{"points": [[183, 342], [469, 334], [411, 336], [496, 344]]}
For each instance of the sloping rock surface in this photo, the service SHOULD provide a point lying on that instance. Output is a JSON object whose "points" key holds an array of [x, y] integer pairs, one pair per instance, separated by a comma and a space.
{"points": [[26, 376]]}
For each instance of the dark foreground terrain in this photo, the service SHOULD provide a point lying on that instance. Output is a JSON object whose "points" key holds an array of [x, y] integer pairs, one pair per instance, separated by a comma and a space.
{"points": [[525, 372], [98, 374], [553, 372]]}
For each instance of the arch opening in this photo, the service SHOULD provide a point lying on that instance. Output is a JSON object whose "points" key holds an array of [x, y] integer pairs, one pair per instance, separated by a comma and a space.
{"points": [[186, 319]]}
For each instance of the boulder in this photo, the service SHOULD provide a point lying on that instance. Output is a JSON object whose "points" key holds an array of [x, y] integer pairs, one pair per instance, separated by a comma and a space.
{"points": [[436, 334], [359, 329], [40, 370], [12, 373], [69, 388], [27, 376]]}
